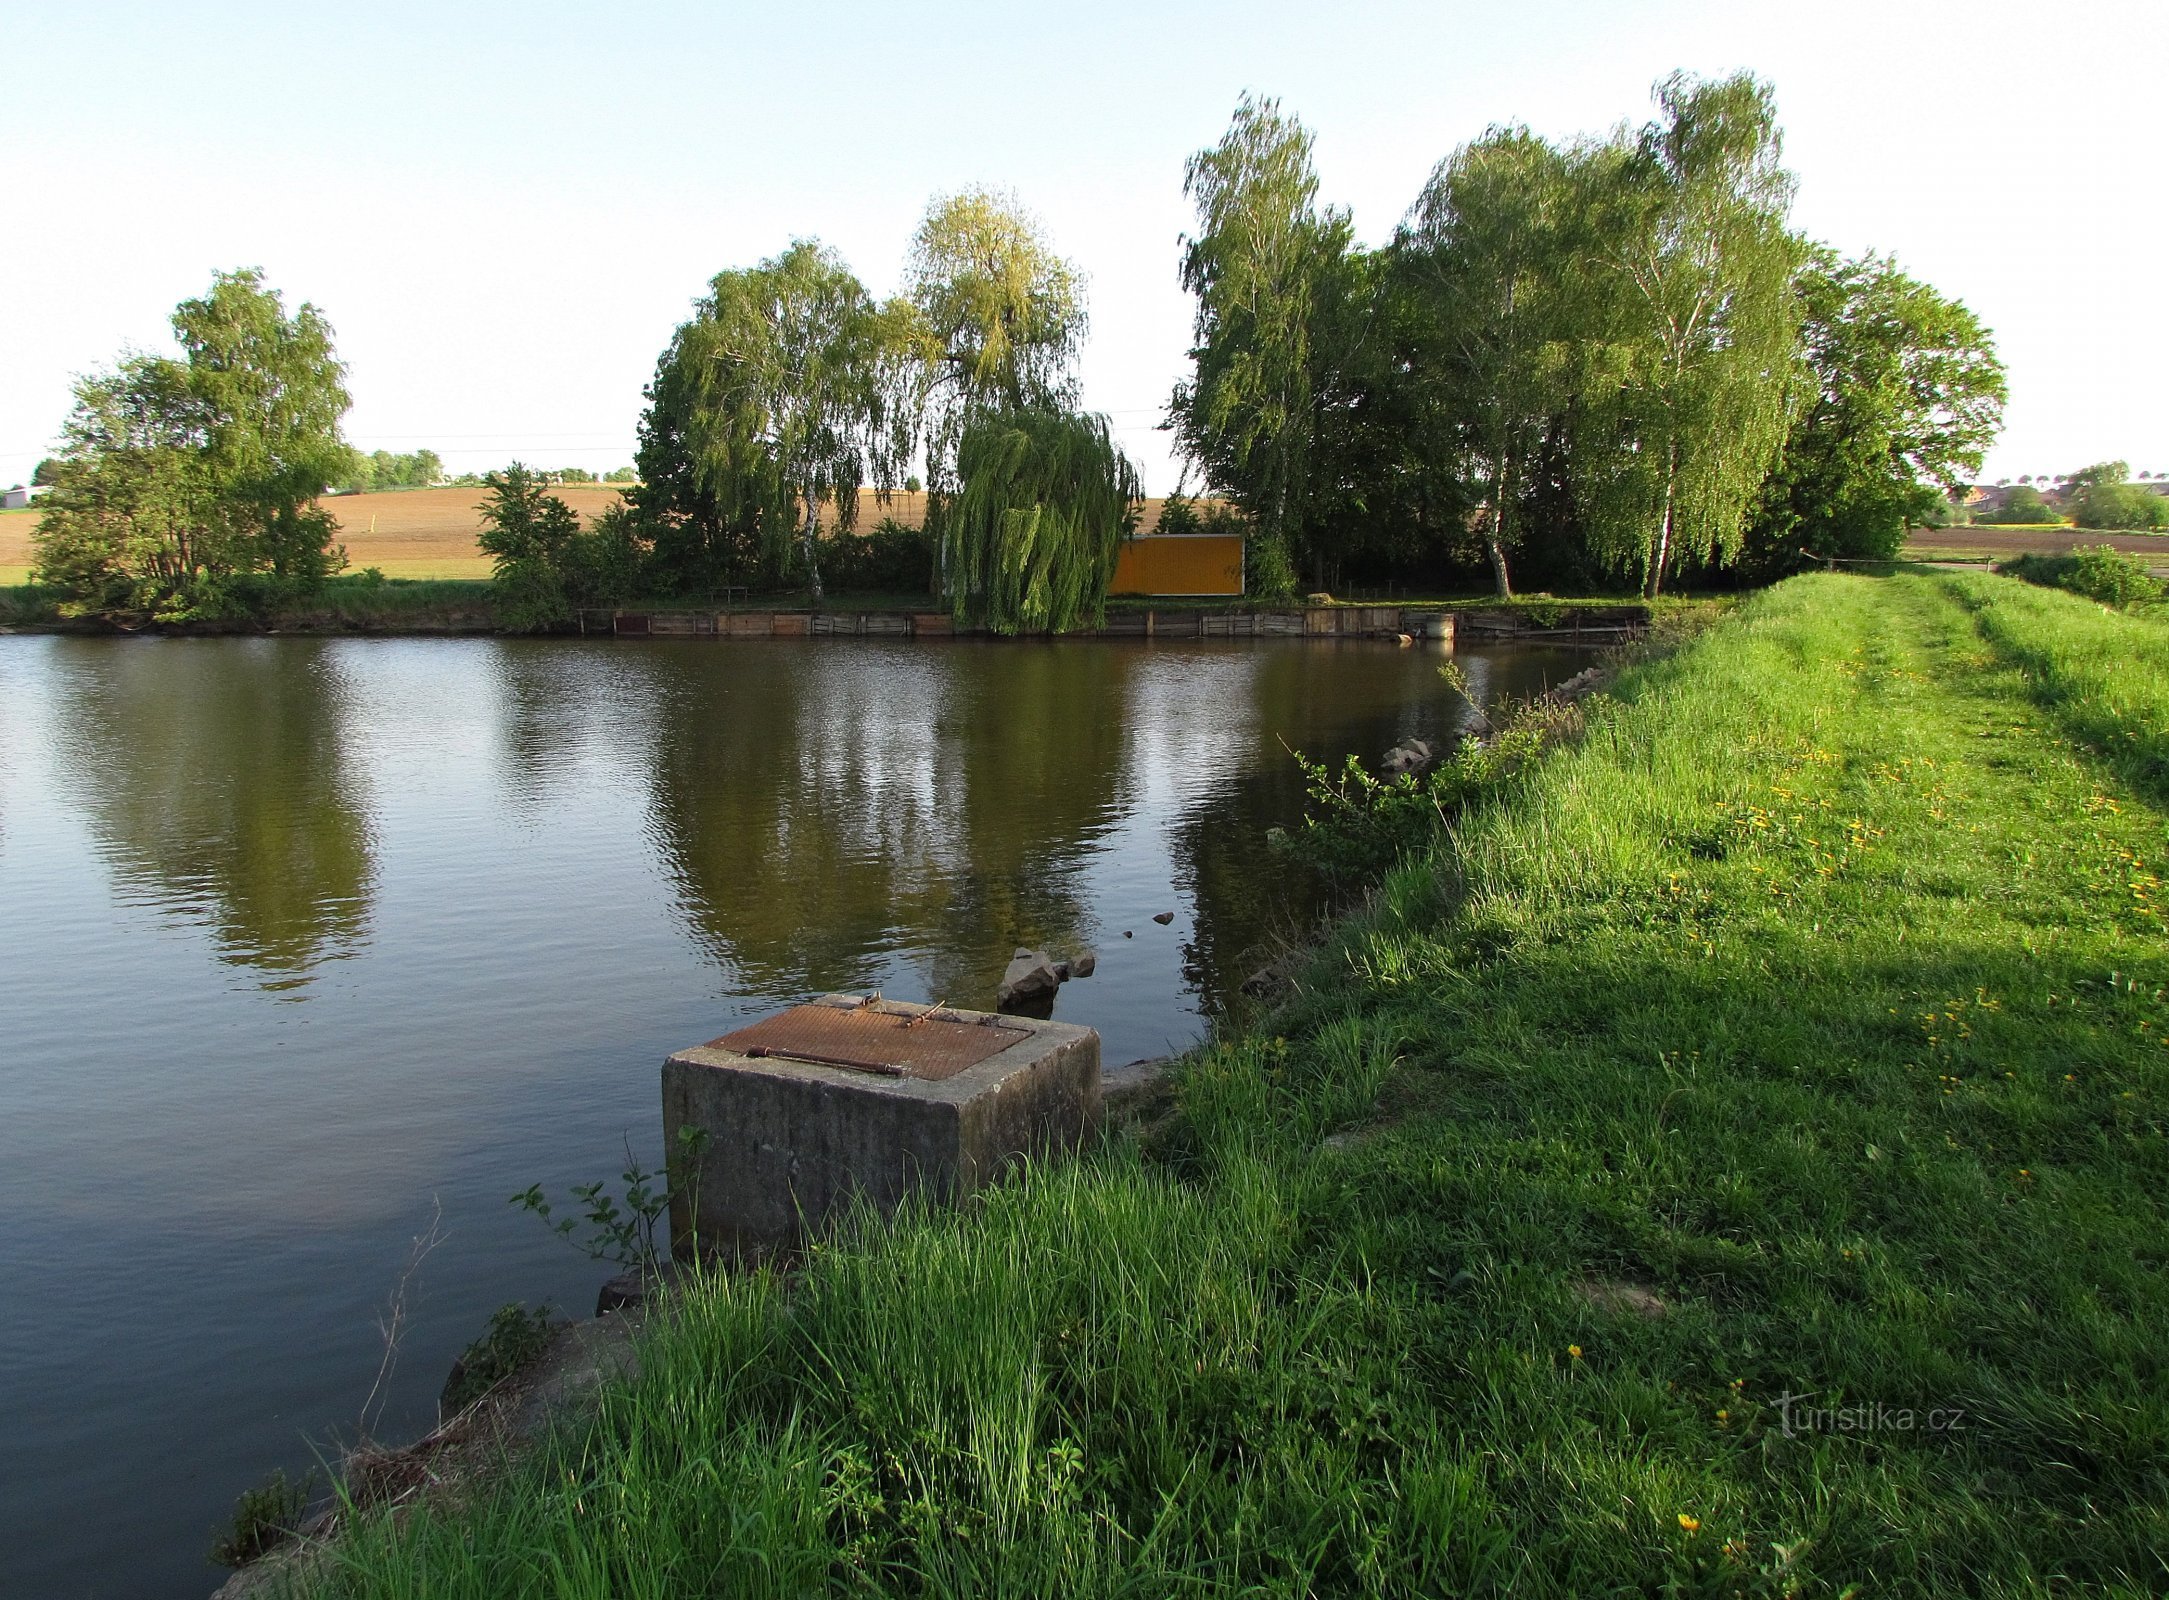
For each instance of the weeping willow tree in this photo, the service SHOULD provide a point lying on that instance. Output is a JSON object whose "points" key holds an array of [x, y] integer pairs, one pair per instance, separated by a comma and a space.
{"points": [[1029, 545], [1029, 498], [1001, 317]]}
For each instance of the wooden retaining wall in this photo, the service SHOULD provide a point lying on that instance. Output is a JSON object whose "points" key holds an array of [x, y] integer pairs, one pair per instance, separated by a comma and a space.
{"points": [[1593, 626]]}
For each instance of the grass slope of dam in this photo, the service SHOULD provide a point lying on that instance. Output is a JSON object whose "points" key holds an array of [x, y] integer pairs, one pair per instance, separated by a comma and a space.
{"points": [[1731, 1162]]}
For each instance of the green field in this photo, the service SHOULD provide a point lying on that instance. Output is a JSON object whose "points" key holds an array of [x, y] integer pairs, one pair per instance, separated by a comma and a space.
{"points": [[1799, 1033]]}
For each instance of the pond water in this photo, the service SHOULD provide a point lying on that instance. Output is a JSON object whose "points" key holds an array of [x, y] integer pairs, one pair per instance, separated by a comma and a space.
{"points": [[304, 943]]}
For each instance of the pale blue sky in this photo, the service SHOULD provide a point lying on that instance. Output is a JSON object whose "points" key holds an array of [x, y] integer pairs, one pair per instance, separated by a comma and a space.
{"points": [[506, 208]]}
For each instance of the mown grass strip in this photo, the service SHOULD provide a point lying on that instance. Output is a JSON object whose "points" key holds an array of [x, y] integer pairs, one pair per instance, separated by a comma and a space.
{"points": [[1733, 1163], [2103, 674]]}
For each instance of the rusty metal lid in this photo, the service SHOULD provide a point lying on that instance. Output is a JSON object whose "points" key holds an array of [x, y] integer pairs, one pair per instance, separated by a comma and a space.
{"points": [[922, 1044]]}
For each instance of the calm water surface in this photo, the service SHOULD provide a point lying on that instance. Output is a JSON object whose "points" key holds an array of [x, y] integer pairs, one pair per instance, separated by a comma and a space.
{"points": [[303, 942]]}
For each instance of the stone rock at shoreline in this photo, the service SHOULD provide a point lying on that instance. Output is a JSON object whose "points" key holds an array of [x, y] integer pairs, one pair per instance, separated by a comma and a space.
{"points": [[1163, 918], [1127, 1093], [1062, 971], [637, 1289], [1412, 756], [1028, 985], [1084, 966], [625, 1291], [1580, 686]]}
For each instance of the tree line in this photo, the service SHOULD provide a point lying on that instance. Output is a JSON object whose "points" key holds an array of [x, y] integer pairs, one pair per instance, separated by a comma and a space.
{"points": [[1610, 358], [793, 389], [1604, 361], [2100, 496]]}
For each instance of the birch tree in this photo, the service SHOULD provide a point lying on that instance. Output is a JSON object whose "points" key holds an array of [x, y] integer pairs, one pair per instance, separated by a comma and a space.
{"points": [[1686, 412], [1487, 249], [1261, 264], [1001, 318]]}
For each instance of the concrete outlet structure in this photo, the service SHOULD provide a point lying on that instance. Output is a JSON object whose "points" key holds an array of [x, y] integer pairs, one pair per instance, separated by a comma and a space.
{"points": [[853, 1097]]}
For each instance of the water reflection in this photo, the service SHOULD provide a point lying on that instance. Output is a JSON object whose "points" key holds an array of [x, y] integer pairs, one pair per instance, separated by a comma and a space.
{"points": [[1033, 754], [844, 817], [828, 813], [222, 793], [1288, 700], [568, 719]]}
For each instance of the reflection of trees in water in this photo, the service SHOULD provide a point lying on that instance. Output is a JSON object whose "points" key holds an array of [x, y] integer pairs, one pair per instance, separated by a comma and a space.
{"points": [[831, 812], [216, 783], [1328, 702], [564, 710], [827, 808], [1033, 746], [793, 819]]}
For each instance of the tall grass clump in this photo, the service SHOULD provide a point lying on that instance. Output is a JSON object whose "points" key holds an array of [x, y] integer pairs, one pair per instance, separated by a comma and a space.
{"points": [[1730, 1160], [27, 604], [368, 599]]}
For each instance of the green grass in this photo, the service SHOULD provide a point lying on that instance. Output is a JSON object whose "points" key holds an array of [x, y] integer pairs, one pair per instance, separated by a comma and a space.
{"points": [[393, 604], [1816, 998], [2103, 676], [27, 604]]}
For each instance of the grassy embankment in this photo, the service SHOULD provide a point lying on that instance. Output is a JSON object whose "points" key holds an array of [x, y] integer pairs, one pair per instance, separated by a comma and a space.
{"points": [[1800, 1032]]}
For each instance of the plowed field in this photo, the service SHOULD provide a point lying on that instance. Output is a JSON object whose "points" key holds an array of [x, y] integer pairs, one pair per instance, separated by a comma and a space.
{"points": [[1929, 543]]}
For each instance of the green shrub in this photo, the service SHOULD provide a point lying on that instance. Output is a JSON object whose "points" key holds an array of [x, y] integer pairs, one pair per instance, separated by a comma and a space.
{"points": [[2097, 571], [2120, 505], [888, 559], [1178, 516], [23, 603], [515, 1337], [263, 1518], [1356, 825]]}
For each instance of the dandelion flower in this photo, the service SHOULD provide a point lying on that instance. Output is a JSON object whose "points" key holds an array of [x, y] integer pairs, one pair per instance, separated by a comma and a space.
{"points": [[1690, 1524]]}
